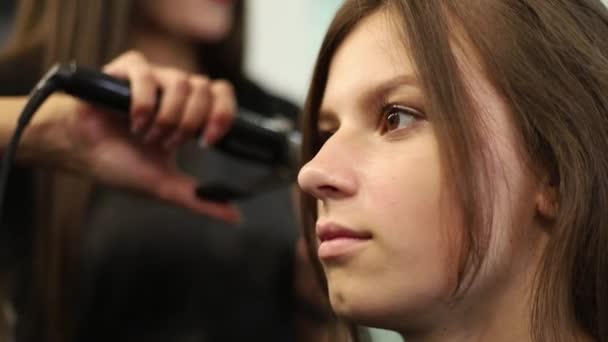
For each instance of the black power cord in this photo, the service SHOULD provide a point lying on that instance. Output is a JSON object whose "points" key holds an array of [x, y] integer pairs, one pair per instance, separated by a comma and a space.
{"points": [[41, 92]]}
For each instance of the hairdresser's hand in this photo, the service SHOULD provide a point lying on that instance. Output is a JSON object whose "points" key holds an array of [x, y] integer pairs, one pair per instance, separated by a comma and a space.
{"points": [[139, 154]]}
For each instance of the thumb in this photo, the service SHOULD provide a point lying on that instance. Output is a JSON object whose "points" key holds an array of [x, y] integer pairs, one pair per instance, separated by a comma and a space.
{"points": [[180, 189]]}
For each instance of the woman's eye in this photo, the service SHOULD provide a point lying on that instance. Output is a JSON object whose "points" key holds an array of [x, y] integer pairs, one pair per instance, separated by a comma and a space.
{"points": [[396, 117]]}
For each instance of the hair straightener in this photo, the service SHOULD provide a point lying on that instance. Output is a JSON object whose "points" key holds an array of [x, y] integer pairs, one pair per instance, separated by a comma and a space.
{"points": [[253, 137]]}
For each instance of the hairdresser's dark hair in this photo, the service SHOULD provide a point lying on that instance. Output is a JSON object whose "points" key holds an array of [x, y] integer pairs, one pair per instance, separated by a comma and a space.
{"points": [[549, 61]]}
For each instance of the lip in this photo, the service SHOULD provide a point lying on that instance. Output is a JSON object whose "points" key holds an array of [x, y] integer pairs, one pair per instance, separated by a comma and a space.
{"points": [[338, 241]]}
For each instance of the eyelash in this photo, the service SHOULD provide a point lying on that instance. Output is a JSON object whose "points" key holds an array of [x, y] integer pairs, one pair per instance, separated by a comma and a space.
{"points": [[389, 109], [386, 110]]}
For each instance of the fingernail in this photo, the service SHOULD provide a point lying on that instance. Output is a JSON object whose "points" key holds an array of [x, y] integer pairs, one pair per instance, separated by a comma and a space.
{"points": [[202, 143], [211, 135], [153, 135], [237, 218], [137, 125], [173, 141]]}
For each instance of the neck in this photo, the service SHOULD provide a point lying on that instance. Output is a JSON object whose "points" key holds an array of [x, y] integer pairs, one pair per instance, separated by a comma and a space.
{"points": [[166, 49]]}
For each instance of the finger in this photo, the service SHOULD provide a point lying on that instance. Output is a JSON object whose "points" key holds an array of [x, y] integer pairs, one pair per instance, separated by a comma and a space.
{"points": [[179, 189], [176, 90], [195, 112], [222, 112], [134, 67]]}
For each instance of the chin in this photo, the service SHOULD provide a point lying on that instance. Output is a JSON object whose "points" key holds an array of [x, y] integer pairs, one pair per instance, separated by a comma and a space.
{"points": [[213, 32], [356, 304], [377, 306], [215, 35], [362, 312], [381, 315]]}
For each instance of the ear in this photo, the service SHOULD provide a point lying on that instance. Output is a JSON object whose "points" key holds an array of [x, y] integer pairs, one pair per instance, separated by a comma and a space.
{"points": [[547, 204]]}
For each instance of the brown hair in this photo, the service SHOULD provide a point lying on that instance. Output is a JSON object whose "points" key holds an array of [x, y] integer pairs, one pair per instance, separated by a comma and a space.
{"points": [[90, 32], [549, 61]]}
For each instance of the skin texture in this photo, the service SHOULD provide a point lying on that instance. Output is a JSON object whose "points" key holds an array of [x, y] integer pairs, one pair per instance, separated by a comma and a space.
{"points": [[380, 175]]}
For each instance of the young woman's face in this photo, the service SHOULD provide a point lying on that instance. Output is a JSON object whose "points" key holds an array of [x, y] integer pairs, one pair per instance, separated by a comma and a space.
{"points": [[389, 226], [202, 20]]}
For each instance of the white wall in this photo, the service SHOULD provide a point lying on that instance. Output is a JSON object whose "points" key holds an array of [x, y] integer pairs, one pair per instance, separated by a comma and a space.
{"points": [[283, 38]]}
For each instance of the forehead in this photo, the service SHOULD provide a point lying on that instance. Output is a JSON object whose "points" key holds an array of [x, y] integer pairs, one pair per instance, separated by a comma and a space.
{"points": [[372, 53]]}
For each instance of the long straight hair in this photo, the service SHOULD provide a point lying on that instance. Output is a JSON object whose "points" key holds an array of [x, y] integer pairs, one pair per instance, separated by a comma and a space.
{"points": [[549, 61], [90, 32]]}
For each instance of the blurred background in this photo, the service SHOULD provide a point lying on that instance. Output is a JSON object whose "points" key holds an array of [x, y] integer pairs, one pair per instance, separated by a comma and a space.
{"points": [[6, 11]]}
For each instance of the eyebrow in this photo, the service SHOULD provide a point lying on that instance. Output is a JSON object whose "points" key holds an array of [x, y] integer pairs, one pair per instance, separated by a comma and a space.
{"points": [[378, 92], [393, 83]]}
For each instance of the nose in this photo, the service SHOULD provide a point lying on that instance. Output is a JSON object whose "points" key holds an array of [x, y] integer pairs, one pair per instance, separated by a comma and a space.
{"points": [[329, 175]]}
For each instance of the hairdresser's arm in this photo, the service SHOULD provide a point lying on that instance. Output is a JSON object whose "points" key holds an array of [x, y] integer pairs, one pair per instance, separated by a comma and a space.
{"points": [[138, 155], [44, 136], [9, 108]]}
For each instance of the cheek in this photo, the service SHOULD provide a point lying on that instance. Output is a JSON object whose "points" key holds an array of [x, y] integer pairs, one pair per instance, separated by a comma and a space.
{"points": [[416, 229], [418, 221]]}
